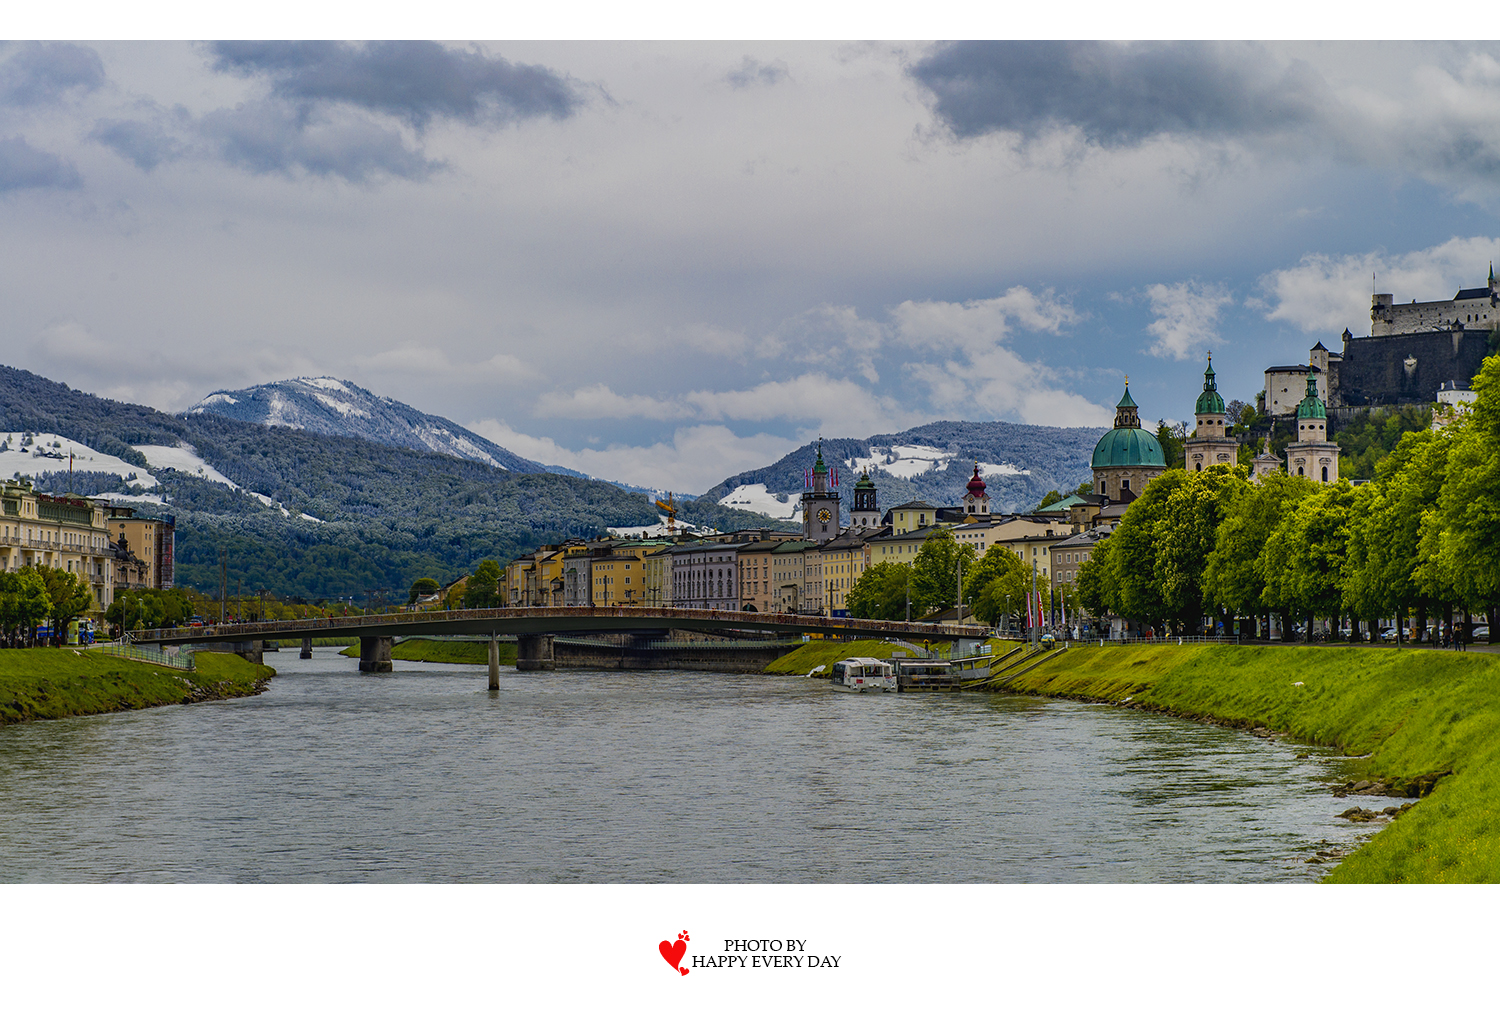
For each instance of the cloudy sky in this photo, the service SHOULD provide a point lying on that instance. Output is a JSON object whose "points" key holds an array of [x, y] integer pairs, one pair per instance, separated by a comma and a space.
{"points": [[664, 263]]}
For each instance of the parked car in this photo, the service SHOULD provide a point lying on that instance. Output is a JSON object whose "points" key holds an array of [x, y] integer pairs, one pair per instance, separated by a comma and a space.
{"points": [[1387, 634], [1480, 633]]}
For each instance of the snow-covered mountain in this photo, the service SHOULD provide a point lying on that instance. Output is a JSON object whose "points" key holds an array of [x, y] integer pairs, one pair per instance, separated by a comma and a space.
{"points": [[1020, 463], [326, 405]]}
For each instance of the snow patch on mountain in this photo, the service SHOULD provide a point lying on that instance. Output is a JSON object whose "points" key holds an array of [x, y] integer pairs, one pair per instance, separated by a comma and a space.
{"points": [[754, 497], [184, 459], [48, 453], [911, 460]]}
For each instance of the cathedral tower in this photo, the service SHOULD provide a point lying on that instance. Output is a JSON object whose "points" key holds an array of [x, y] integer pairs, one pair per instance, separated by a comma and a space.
{"points": [[1209, 445], [864, 514], [1312, 454]]}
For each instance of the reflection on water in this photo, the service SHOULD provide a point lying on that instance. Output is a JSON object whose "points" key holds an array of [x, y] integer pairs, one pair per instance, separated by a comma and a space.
{"points": [[651, 777]]}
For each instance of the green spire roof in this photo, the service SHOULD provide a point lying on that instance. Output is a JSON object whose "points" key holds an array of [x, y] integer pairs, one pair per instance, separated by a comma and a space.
{"points": [[1126, 402], [1210, 401], [819, 467], [1311, 407], [865, 483]]}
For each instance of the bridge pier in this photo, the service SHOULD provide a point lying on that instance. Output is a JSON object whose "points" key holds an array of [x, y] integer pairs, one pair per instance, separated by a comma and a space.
{"points": [[375, 654], [306, 649], [534, 652], [494, 663]]}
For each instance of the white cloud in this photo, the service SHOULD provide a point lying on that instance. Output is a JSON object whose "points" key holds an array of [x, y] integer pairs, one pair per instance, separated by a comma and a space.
{"points": [[1322, 293], [693, 461], [978, 325], [1187, 317], [411, 358]]}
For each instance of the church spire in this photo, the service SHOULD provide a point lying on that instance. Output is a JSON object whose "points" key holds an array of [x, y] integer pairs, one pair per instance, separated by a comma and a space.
{"points": [[1127, 415]]}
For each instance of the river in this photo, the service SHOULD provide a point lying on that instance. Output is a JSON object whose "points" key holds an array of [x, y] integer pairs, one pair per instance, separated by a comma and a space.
{"points": [[424, 776]]}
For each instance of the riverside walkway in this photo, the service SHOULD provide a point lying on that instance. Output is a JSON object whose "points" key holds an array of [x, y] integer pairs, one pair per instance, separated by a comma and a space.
{"points": [[536, 627]]}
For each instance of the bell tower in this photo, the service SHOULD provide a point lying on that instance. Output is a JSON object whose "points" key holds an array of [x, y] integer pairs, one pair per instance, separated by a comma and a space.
{"points": [[1210, 445], [976, 501], [864, 514]]}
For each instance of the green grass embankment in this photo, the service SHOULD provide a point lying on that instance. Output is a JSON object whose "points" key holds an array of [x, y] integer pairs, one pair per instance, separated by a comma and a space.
{"points": [[435, 651], [1415, 713], [49, 684]]}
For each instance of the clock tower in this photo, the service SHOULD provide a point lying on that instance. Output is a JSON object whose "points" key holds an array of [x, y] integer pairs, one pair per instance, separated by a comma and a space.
{"points": [[820, 505]]}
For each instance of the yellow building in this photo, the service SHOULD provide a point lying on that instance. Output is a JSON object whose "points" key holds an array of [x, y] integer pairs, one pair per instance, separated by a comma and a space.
{"points": [[842, 562], [618, 573], [57, 531], [153, 540]]}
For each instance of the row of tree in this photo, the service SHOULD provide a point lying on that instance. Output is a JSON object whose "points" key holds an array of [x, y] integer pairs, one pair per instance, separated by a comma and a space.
{"points": [[1422, 538]]}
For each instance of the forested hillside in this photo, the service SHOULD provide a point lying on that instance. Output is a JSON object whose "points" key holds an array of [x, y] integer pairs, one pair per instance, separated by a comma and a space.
{"points": [[388, 514]]}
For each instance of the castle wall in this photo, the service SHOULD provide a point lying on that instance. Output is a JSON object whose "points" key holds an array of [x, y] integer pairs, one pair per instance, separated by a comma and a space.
{"points": [[1375, 370], [1387, 318]]}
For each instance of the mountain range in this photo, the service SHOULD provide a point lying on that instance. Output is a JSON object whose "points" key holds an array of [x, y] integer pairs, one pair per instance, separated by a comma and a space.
{"points": [[315, 487]]}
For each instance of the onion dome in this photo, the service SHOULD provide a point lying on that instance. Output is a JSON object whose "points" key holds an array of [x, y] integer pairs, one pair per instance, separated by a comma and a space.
{"points": [[976, 485], [865, 483], [1128, 444], [1311, 407], [1210, 402]]}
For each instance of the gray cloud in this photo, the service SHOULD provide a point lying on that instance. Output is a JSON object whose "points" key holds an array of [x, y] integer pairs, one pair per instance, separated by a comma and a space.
{"points": [[144, 144], [413, 81], [753, 72], [267, 137], [1117, 94], [22, 166], [36, 73]]}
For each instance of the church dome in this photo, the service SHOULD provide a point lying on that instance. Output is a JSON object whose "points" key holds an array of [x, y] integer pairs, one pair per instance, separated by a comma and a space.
{"points": [[1128, 444], [1210, 402]]}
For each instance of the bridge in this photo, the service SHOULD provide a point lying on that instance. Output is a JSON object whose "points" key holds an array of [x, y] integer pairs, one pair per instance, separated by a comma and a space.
{"points": [[536, 627]]}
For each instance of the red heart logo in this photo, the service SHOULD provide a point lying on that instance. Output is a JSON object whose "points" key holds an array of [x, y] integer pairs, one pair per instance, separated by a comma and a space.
{"points": [[672, 952]]}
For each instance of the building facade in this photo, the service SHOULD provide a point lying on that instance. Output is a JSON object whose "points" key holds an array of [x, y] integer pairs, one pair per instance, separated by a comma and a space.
{"points": [[55, 531], [1313, 455]]}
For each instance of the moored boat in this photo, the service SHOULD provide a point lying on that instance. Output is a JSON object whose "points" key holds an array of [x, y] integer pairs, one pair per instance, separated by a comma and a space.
{"points": [[864, 673]]}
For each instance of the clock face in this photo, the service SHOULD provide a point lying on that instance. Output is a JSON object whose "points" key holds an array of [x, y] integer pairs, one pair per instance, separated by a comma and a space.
{"points": [[823, 515]]}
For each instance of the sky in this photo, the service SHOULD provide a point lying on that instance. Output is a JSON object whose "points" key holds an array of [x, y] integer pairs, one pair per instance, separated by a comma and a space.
{"points": [[665, 263]]}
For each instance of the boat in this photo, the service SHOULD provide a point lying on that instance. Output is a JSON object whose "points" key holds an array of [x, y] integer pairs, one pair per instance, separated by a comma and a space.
{"points": [[864, 673]]}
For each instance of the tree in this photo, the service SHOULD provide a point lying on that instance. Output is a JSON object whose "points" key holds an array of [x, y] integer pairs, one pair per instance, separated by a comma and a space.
{"points": [[23, 603], [1234, 573], [1136, 593], [70, 596], [1049, 498], [1185, 535], [483, 589], [880, 592], [1171, 437], [997, 582], [934, 579], [1304, 556], [422, 587]]}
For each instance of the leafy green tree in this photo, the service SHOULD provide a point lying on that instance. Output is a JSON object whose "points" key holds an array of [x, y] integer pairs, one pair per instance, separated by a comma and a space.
{"points": [[1184, 536], [1303, 559], [1461, 532], [23, 603], [483, 589], [422, 587], [1049, 498], [1234, 573], [1084, 488], [1136, 593], [1370, 437], [880, 592], [1172, 438], [997, 582], [1095, 581], [70, 596], [934, 579]]}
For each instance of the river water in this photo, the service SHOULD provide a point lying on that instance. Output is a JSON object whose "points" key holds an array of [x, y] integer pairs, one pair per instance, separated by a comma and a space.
{"points": [[423, 775]]}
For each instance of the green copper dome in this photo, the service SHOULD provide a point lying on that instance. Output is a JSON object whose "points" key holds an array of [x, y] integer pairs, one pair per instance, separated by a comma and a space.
{"points": [[1128, 444], [1311, 407], [865, 483], [1210, 401]]}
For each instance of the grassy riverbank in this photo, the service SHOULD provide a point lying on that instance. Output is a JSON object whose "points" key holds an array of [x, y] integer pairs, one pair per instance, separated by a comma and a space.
{"points": [[1415, 713], [822, 652], [435, 651], [49, 684]]}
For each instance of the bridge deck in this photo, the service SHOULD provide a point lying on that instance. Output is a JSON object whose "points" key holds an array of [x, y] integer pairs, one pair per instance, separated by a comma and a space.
{"points": [[556, 621]]}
